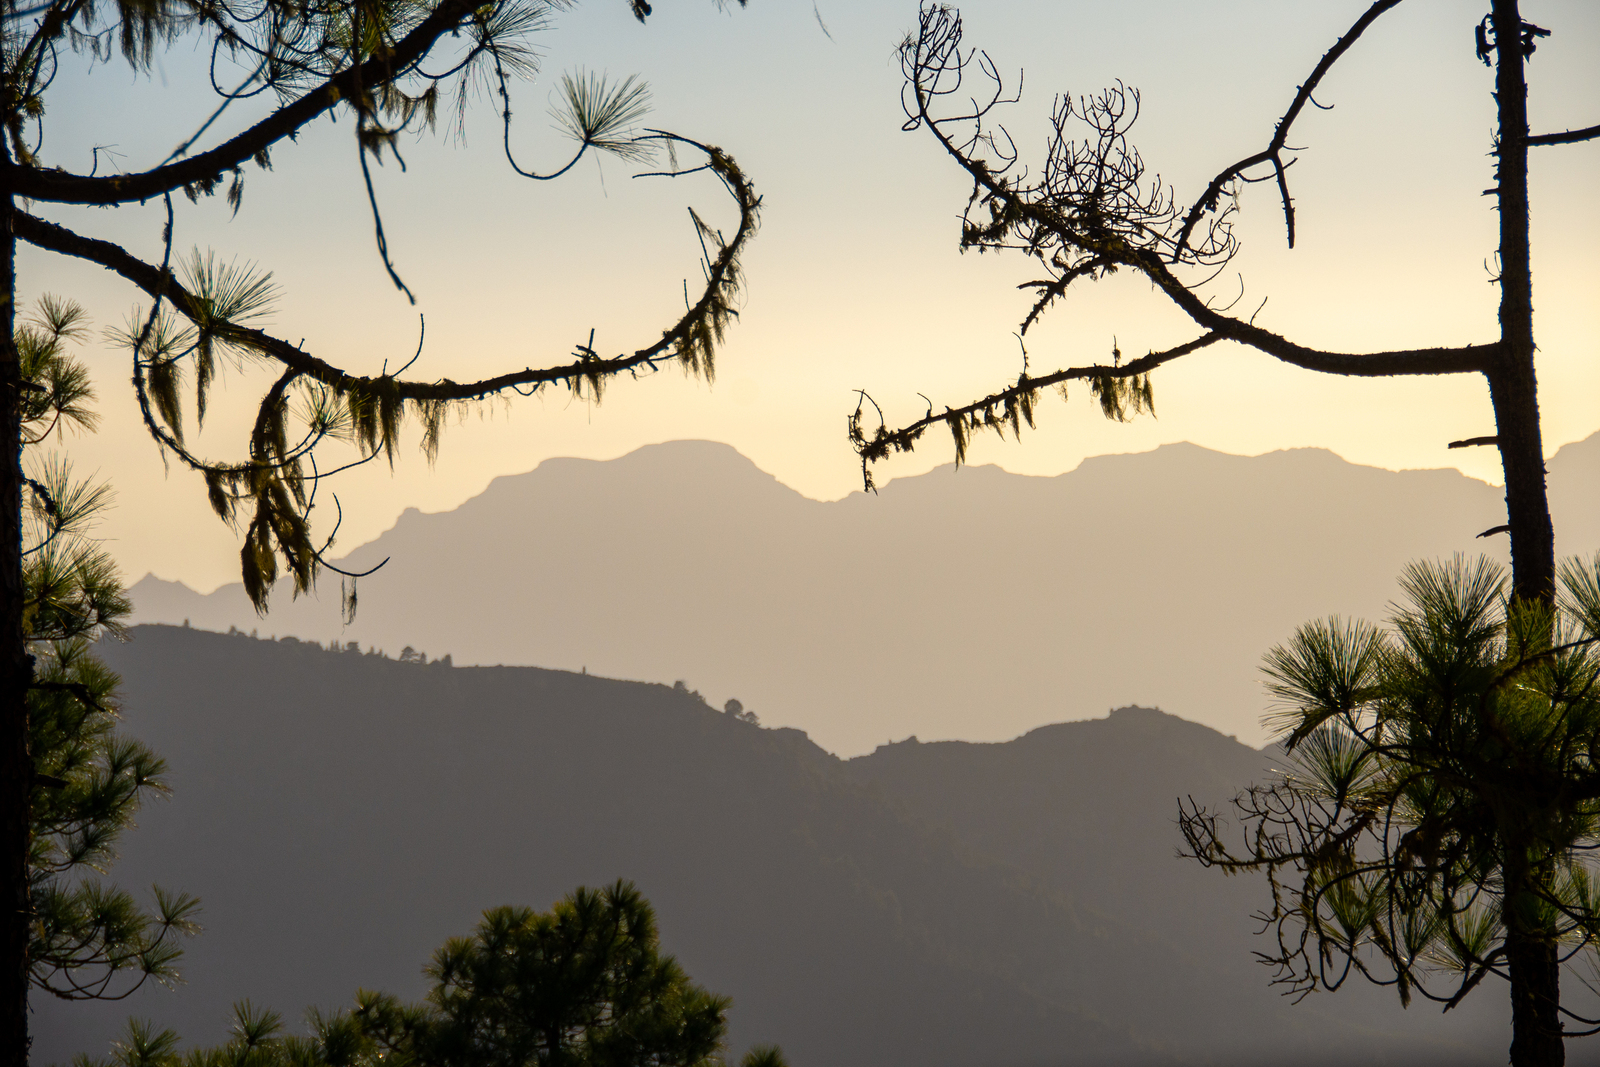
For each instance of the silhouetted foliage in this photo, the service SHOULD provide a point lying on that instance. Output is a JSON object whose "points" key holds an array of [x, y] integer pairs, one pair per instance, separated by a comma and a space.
{"points": [[738, 711], [582, 985], [87, 939], [1440, 805], [1094, 208], [392, 67], [90, 940]]}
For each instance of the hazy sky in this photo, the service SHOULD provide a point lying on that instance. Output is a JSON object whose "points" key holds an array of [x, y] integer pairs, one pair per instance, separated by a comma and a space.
{"points": [[855, 280]]}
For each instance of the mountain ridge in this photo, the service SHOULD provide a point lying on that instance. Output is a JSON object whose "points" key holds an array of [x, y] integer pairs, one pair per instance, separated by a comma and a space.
{"points": [[1158, 578]]}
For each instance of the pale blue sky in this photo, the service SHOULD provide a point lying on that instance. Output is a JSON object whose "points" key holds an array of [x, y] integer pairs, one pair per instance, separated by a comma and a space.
{"points": [[855, 280]]}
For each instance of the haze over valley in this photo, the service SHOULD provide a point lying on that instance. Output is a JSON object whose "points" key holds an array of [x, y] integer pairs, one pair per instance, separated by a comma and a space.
{"points": [[965, 603], [867, 898], [483, 583]]}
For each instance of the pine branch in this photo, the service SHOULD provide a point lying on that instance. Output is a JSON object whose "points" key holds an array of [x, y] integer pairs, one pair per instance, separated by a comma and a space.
{"points": [[1280, 135], [722, 276], [56, 186], [1588, 133]]}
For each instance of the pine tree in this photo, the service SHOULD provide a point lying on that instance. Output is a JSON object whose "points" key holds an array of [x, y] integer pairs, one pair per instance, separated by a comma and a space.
{"points": [[390, 66], [1439, 805], [1093, 209], [88, 939], [582, 985], [91, 940]]}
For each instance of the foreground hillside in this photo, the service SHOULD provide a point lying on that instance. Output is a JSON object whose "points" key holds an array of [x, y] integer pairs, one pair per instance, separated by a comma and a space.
{"points": [[947, 905]]}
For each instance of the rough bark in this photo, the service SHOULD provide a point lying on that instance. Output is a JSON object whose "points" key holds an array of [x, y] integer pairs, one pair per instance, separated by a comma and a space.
{"points": [[1531, 959], [1513, 384], [1514, 391], [16, 768], [1535, 974], [1536, 1039]]}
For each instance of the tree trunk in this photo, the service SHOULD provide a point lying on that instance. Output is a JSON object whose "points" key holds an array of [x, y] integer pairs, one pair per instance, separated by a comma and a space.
{"points": [[1514, 392], [16, 672], [1513, 385], [1536, 1039], [1535, 974]]}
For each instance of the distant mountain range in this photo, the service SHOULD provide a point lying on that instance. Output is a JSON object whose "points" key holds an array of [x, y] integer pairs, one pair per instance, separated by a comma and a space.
{"points": [[966, 603], [927, 905]]}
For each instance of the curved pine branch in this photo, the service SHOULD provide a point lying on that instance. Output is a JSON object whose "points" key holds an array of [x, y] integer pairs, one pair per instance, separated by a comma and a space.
{"points": [[687, 339], [58, 186], [272, 478]]}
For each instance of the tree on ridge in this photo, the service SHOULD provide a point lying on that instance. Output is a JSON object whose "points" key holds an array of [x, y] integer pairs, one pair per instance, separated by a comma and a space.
{"points": [[391, 66]]}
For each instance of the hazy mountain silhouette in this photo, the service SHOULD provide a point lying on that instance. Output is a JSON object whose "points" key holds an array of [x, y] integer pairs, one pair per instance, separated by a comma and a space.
{"points": [[936, 905], [971, 603]]}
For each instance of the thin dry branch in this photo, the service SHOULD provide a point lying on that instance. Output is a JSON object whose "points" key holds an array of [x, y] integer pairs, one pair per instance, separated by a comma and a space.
{"points": [[1588, 133], [1273, 153], [1095, 211], [1078, 235]]}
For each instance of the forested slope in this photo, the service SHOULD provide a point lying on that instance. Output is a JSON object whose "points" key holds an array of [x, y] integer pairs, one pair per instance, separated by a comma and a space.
{"points": [[342, 814]]}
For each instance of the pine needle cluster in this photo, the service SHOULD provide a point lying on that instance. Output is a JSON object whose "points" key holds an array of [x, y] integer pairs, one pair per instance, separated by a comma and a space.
{"points": [[88, 939], [1439, 806]]}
